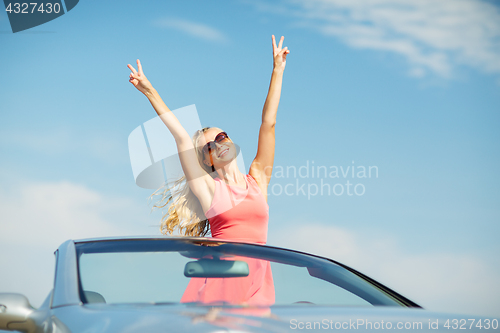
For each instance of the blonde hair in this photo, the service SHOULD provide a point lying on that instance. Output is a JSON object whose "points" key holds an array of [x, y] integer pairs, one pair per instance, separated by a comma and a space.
{"points": [[184, 213]]}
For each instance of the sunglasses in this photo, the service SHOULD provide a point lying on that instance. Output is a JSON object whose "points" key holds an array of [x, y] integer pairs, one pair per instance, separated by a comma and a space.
{"points": [[219, 138]]}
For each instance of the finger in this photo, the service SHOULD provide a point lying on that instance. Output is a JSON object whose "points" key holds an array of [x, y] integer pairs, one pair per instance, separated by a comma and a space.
{"points": [[132, 68], [139, 66], [283, 51], [274, 43], [281, 42]]}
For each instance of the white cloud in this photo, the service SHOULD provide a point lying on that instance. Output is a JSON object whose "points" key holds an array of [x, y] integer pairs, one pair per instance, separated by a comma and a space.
{"points": [[194, 29], [37, 217], [433, 36], [445, 282]]}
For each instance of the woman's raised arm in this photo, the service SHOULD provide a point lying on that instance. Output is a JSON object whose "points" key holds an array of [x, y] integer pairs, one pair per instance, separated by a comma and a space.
{"points": [[139, 80], [200, 182], [262, 166]]}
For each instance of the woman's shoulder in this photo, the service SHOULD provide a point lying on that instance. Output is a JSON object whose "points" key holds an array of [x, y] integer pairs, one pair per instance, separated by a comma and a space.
{"points": [[252, 180], [256, 185], [218, 181]]}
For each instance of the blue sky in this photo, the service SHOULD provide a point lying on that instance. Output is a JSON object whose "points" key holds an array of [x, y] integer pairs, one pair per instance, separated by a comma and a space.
{"points": [[411, 87]]}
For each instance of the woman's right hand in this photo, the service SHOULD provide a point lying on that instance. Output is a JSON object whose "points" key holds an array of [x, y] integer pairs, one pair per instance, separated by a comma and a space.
{"points": [[138, 79]]}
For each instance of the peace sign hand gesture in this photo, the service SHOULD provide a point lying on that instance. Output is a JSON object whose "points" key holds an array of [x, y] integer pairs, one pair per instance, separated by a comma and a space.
{"points": [[138, 79], [279, 54]]}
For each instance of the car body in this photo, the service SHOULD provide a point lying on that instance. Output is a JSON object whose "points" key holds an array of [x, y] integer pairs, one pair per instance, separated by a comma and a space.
{"points": [[135, 284]]}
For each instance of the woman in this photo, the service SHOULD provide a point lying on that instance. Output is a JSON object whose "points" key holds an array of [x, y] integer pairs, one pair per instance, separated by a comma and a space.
{"points": [[217, 195]]}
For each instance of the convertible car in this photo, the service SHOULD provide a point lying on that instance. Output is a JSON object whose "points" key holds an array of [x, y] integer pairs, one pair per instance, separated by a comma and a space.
{"points": [[188, 284]]}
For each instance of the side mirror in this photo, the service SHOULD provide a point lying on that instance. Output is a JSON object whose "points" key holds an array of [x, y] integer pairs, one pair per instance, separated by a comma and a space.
{"points": [[14, 313]]}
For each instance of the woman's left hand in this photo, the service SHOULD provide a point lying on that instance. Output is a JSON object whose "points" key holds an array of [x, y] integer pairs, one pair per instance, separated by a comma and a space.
{"points": [[279, 54]]}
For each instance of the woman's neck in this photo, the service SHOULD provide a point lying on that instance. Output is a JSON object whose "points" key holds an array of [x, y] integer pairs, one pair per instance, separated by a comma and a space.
{"points": [[231, 174]]}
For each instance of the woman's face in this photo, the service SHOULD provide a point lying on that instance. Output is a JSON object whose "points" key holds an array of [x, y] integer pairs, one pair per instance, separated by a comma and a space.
{"points": [[223, 153]]}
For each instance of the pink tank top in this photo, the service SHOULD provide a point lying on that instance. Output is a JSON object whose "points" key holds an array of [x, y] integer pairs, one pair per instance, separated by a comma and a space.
{"points": [[237, 213]]}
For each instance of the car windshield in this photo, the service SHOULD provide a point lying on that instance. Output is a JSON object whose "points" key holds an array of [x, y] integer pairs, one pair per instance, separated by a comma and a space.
{"points": [[185, 271]]}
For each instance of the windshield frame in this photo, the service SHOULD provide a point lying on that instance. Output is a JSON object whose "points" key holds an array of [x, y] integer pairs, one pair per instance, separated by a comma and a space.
{"points": [[258, 251]]}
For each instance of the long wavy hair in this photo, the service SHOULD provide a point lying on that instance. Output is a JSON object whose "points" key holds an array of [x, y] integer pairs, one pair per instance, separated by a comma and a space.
{"points": [[184, 213]]}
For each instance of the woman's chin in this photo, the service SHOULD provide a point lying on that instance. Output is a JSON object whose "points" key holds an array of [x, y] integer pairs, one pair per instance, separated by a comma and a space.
{"points": [[227, 156], [225, 160]]}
